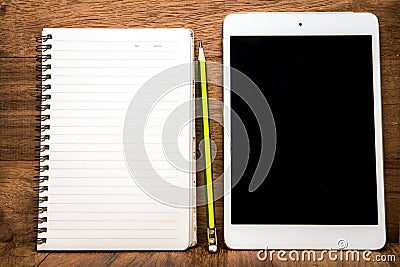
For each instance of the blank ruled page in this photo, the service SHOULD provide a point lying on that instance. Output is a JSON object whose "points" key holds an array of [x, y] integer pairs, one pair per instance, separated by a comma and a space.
{"points": [[93, 201]]}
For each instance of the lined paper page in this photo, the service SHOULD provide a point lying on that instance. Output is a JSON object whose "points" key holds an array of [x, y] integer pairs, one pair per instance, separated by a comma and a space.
{"points": [[93, 202]]}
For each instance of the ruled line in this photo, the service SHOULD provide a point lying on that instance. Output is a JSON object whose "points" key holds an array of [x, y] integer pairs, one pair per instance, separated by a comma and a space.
{"points": [[122, 229], [114, 41], [113, 238], [124, 212], [107, 220]]}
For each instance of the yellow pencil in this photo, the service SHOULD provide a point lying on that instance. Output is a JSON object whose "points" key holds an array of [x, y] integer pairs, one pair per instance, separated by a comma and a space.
{"points": [[208, 180]]}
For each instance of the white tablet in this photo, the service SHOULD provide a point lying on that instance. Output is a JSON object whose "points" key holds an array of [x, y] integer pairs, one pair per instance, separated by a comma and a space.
{"points": [[319, 182]]}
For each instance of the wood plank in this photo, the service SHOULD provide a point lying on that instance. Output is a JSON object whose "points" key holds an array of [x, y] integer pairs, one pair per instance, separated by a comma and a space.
{"points": [[22, 21], [392, 199], [17, 105], [199, 256], [17, 235]]}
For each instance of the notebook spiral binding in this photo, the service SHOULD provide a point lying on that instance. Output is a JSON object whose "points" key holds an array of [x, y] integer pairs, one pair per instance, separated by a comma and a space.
{"points": [[43, 67]]}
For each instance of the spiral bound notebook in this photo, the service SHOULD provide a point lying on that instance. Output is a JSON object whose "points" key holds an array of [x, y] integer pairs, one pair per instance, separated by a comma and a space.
{"points": [[88, 198]]}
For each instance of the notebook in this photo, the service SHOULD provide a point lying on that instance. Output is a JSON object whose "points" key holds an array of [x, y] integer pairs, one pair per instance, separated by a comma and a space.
{"points": [[89, 197]]}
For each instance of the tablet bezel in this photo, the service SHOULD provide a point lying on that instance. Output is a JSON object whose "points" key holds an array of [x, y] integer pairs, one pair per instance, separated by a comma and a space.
{"points": [[303, 236]]}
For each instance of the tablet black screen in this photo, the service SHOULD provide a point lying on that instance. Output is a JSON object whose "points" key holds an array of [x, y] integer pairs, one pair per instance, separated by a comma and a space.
{"points": [[320, 91]]}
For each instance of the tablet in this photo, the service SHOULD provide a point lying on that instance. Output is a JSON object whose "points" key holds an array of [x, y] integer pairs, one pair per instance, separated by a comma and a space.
{"points": [[319, 74]]}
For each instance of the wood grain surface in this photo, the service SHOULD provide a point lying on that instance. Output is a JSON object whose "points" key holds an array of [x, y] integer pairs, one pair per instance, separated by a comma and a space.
{"points": [[22, 21]]}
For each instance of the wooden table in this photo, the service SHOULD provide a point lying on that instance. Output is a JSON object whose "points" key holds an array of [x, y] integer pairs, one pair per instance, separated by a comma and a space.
{"points": [[22, 21]]}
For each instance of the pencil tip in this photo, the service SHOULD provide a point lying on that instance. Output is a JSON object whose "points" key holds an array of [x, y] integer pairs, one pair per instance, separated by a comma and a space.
{"points": [[201, 51], [212, 248]]}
